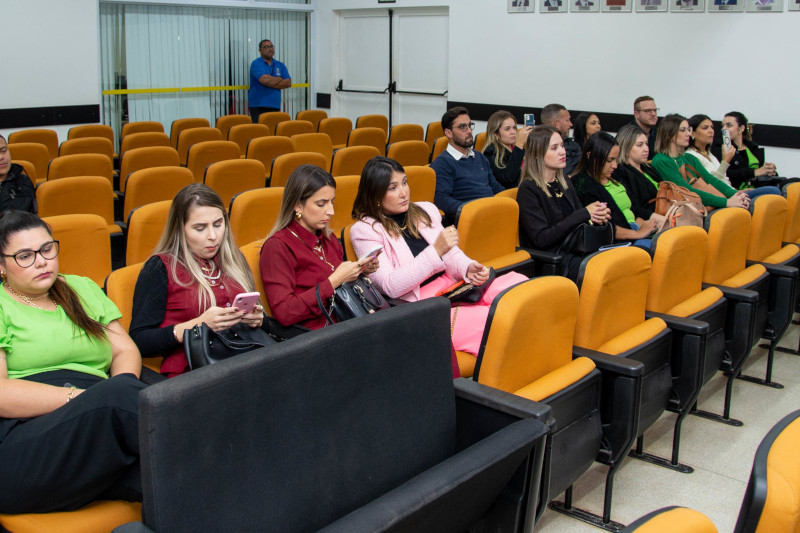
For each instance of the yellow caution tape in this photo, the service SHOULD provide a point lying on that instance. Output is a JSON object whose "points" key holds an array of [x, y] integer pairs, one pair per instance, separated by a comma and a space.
{"points": [[188, 89]]}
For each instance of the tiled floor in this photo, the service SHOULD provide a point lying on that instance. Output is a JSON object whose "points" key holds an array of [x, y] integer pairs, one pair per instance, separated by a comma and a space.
{"points": [[721, 455]]}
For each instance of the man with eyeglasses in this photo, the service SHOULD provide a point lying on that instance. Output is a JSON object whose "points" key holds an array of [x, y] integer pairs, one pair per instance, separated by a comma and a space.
{"points": [[645, 115], [462, 174], [268, 77]]}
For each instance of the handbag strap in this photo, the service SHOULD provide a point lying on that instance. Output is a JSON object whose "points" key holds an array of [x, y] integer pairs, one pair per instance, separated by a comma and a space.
{"points": [[325, 312]]}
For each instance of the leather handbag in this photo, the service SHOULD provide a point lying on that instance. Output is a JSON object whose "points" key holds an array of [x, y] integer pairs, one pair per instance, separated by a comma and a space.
{"points": [[696, 181], [468, 293], [587, 238], [204, 346], [353, 299], [668, 193], [683, 214]]}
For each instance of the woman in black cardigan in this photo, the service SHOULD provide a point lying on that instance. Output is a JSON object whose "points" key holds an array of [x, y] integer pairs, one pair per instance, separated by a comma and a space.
{"points": [[639, 179], [549, 208], [748, 162], [505, 148]]}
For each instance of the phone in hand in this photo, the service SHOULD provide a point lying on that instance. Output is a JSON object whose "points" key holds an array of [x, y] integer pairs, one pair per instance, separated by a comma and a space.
{"points": [[246, 301], [529, 120], [374, 252], [726, 138]]}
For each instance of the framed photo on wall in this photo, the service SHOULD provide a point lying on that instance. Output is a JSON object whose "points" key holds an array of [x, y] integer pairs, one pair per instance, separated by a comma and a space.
{"points": [[651, 6], [757, 6], [794, 5], [616, 6], [553, 6], [687, 6], [521, 6], [584, 6], [725, 6]]}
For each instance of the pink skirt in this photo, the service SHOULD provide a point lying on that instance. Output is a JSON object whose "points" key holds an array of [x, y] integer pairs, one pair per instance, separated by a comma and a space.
{"points": [[467, 321]]}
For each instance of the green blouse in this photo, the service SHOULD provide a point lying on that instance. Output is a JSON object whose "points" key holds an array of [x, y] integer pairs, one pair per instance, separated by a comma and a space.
{"points": [[621, 198], [669, 169]]}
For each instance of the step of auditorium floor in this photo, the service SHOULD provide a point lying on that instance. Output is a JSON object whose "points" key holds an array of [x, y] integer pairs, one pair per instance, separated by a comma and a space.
{"points": [[721, 455]]}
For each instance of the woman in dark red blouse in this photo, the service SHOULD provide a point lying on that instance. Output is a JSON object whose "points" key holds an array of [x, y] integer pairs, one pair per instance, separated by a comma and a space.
{"points": [[194, 276], [301, 252]]}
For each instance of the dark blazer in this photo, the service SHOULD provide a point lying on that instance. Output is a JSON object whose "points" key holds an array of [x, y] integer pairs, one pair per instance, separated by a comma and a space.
{"points": [[640, 190], [739, 172], [590, 191], [508, 177], [541, 223]]}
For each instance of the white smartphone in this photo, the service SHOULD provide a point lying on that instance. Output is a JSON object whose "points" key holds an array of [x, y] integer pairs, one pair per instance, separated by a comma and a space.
{"points": [[374, 252], [529, 120], [246, 301], [726, 138]]}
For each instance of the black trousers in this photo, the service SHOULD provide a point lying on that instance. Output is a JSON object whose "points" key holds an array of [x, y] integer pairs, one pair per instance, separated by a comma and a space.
{"points": [[86, 450], [255, 112]]}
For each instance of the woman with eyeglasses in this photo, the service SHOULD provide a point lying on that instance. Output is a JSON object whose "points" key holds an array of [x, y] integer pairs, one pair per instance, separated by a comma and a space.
{"points": [[675, 165], [69, 382]]}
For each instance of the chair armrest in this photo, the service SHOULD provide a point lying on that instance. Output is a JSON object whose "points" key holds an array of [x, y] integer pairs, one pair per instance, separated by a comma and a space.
{"points": [[777, 270], [545, 257], [606, 363], [684, 325], [132, 527], [122, 225], [735, 294]]}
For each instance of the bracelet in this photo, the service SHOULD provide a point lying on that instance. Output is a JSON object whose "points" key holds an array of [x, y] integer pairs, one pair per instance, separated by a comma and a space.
{"points": [[70, 394]]}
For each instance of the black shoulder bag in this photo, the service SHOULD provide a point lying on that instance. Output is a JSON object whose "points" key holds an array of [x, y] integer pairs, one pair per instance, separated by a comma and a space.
{"points": [[353, 299]]}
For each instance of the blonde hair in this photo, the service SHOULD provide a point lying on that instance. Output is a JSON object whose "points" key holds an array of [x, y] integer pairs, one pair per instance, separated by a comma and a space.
{"points": [[492, 137], [535, 150], [173, 244]]}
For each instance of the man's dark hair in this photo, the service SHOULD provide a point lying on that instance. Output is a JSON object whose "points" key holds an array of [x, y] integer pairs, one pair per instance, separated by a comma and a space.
{"points": [[640, 100], [550, 113], [451, 115], [261, 43]]}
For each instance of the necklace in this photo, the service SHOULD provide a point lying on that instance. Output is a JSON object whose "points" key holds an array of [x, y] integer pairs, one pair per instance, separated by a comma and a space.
{"points": [[27, 300], [208, 273], [556, 189], [318, 250]]}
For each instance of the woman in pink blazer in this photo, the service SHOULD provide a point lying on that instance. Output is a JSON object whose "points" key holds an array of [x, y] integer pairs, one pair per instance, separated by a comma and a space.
{"points": [[420, 257]]}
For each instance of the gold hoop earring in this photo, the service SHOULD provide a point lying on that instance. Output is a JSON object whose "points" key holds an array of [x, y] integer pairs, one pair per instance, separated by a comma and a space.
{"points": [[298, 215], [3, 276]]}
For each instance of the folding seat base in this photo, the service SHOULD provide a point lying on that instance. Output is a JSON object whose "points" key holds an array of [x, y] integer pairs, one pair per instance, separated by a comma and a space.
{"points": [[603, 522]]}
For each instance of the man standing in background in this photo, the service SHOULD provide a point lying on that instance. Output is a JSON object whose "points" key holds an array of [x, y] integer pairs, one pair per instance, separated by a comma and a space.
{"points": [[268, 77]]}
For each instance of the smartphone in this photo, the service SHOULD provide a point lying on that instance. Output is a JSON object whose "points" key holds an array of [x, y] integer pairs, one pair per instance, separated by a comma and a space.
{"points": [[452, 287], [529, 120], [374, 252], [726, 138], [246, 301]]}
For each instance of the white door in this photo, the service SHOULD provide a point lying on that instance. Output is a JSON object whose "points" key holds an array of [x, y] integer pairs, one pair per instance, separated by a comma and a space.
{"points": [[403, 53]]}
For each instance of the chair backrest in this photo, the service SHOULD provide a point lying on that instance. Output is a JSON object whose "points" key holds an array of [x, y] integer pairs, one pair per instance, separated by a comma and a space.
{"points": [[349, 249], [315, 142], [272, 119], [433, 132], [266, 149], [87, 145], [28, 168], [91, 130], [508, 193], [67, 166], [290, 128], [36, 154], [191, 136], [487, 228], [314, 116], [613, 292], [84, 245], [368, 136], [673, 519], [184, 124], [242, 134], [49, 138], [769, 213], [480, 141], [374, 121], [252, 254], [409, 152], [153, 185], [439, 146], [676, 274], [229, 178], [141, 126], [253, 213], [351, 160], [422, 182], [120, 285], [770, 501], [76, 195], [406, 132], [346, 190], [284, 165], [791, 229], [337, 128], [226, 122], [204, 153], [146, 223], [148, 157], [521, 343], [143, 139], [728, 238]]}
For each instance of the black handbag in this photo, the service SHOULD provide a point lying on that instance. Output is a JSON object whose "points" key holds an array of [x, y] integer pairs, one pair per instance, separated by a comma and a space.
{"points": [[587, 239], [469, 293], [353, 299], [204, 346]]}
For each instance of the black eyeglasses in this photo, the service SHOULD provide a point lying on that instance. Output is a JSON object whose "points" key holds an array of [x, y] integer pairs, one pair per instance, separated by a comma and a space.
{"points": [[27, 258], [465, 127]]}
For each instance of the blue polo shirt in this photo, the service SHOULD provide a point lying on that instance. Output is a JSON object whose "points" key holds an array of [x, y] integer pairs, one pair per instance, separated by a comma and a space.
{"points": [[261, 95]]}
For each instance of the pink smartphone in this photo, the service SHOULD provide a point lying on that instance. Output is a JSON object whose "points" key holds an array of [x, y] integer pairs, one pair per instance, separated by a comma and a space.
{"points": [[246, 301]]}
